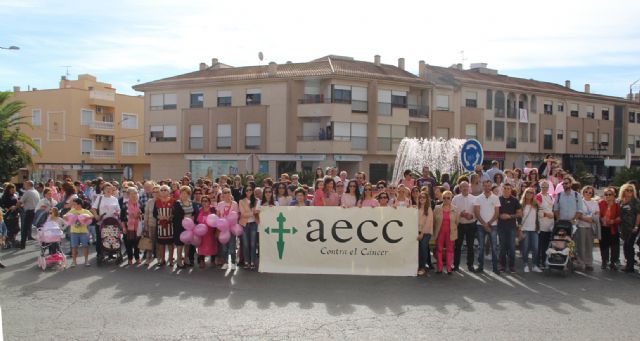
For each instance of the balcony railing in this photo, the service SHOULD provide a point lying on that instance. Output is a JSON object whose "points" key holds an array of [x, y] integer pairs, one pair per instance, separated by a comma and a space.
{"points": [[359, 106], [103, 154], [384, 109], [102, 125], [196, 142], [384, 143], [511, 142], [418, 111], [252, 142], [358, 142], [224, 142], [102, 95]]}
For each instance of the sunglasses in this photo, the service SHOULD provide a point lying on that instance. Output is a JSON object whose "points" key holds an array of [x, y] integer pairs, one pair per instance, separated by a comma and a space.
{"points": [[164, 190], [628, 190], [608, 194], [446, 198], [591, 193], [226, 192], [368, 189]]}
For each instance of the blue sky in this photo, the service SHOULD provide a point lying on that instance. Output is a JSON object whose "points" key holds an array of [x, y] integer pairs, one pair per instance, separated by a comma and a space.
{"points": [[126, 42]]}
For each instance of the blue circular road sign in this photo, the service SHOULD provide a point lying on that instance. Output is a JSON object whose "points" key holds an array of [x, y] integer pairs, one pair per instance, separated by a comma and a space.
{"points": [[471, 154]]}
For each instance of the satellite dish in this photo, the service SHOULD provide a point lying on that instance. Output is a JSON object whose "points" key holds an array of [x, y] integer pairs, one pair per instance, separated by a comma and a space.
{"points": [[260, 56]]}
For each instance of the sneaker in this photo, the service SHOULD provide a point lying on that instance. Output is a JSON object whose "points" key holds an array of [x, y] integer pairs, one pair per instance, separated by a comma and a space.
{"points": [[526, 269], [225, 266], [536, 269], [512, 270], [73, 265], [233, 266], [588, 268], [87, 264]]}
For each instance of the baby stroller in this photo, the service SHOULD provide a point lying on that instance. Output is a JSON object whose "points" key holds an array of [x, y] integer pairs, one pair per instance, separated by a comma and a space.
{"points": [[561, 248], [49, 237], [110, 239]]}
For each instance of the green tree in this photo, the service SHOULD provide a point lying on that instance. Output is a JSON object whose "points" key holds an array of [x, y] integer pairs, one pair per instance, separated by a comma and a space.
{"points": [[625, 175], [15, 145]]}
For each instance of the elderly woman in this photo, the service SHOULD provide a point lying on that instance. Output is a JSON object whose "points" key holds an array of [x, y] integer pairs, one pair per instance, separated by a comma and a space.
{"points": [[130, 217], [150, 223], [545, 220], [609, 230], [630, 220], [585, 234], [10, 204], [445, 230], [183, 208], [163, 214]]}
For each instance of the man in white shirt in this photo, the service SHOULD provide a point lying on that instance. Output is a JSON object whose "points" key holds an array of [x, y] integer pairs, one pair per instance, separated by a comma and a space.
{"points": [[495, 169], [29, 201], [485, 209], [466, 227]]}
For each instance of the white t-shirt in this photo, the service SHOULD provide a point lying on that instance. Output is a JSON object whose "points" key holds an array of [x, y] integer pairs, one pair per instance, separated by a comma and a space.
{"points": [[591, 209], [529, 218], [463, 203], [487, 207], [109, 207]]}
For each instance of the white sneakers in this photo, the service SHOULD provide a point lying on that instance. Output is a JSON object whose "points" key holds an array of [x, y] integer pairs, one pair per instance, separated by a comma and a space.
{"points": [[526, 268], [233, 266], [536, 269], [225, 266]]}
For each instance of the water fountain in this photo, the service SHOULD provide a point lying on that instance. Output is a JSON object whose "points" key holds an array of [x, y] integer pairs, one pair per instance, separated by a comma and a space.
{"points": [[437, 153]]}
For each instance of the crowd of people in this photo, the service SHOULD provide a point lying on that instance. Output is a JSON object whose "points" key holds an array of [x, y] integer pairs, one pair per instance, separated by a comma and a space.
{"points": [[486, 211]]}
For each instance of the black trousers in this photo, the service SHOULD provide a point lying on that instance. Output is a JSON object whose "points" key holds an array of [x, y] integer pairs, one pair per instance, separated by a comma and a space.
{"points": [[629, 248], [544, 238], [25, 232], [131, 245], [609, 246], [466, 232]]}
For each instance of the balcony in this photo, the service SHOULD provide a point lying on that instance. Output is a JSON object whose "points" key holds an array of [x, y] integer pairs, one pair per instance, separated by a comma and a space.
{"points": [[196, 143], [418, 111], [224, 142], [384, 143], [312, 144], [102, 98], [100, 125], [103, 154], [321, 107], [252, 142], [511, 143]]}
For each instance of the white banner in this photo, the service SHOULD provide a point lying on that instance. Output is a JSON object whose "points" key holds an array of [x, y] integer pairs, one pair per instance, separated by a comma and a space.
{"points": [[335, 240]]}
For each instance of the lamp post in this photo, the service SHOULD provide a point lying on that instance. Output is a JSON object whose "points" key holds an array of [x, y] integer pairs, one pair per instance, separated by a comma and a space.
{"points": [[12, 47], [631, 89]]}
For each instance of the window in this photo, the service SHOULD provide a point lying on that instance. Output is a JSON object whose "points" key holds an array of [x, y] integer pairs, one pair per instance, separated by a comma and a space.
{"points": [[511, 135], [398, 132], [442, 102], [489, 99], [498, 131], [36, 117], [398, 99], [253, 97], [129, 121], [358, 135], [37, 142], [384, 102], [471, 130], [224, 98], [533, 132], [341, 131], [341, 94], [524, 132], [574, 110], [442, 133], [129, 148], [196, 136], [573, 137], [162, 133], [560, 134], [311, 131], [605, 114], [471, 99], [197, 100], [384, 137], [252, 136], [589, 138], [632, 117], [638, 141], [164, 101], [534, 104], [86, 117], [548, 108], [499, 109], [488, 130], [561, 107], [86, 146], [224, 136], [590, 111], [312, 91], [604, 139], [548, 139], [359, 101]]}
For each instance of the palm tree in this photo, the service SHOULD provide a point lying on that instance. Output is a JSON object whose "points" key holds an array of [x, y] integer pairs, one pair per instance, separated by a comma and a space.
{"points": [[11, 121]]}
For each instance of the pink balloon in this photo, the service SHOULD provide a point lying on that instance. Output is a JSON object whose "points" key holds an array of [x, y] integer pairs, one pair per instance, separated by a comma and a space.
{"points": [[211, 220], [84, 219], [224, 237], [200, 230], [186, 236], [188, 224], [222, 225], [232, 217], [70, 219], [237, 230], [196, 240]]}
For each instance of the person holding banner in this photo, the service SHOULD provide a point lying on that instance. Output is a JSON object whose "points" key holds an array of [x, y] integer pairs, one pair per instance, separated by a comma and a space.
{"points": [[425, 222], [351, 196], [331, 198], [248, 222], [446, 230], [368, 200], [300, 199]]}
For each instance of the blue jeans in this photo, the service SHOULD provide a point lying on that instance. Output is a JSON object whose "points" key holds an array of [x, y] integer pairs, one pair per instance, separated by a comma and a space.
{"points": [[481, 233], [229, 249], [423, 251], [249, 242], [507, 246], [530, 243]]}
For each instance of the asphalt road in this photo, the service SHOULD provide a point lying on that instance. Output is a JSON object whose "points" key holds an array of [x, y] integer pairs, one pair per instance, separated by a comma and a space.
{"points": [[140, 303]]}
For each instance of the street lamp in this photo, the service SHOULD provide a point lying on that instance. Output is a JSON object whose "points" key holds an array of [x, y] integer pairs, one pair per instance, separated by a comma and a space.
{"points": [[12, 47]]}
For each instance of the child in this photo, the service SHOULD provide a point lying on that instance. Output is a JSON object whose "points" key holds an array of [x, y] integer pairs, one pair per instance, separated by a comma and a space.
{"points": [[54, 216], [79, 232]]}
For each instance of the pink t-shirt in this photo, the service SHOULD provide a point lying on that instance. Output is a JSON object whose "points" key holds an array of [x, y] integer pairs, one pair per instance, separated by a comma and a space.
{"points": [[209, 245], [348, 200], [224, 208], [318, 198], [370, 203]]}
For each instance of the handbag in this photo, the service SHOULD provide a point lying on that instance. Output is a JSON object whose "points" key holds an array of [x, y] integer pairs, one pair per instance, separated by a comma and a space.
{"points": [[145, 244]]}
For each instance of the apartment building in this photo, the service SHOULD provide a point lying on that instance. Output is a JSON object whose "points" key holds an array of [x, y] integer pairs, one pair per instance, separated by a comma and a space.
{"points": [[283, 118], [520, 119], [337, 111], [85, 130]]}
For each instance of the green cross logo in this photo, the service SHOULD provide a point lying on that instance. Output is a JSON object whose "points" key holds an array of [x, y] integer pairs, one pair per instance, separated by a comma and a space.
{"points": [[281, 231]]}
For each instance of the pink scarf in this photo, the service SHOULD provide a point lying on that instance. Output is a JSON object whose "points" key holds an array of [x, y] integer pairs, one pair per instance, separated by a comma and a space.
{"points": [[133, 213]]}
